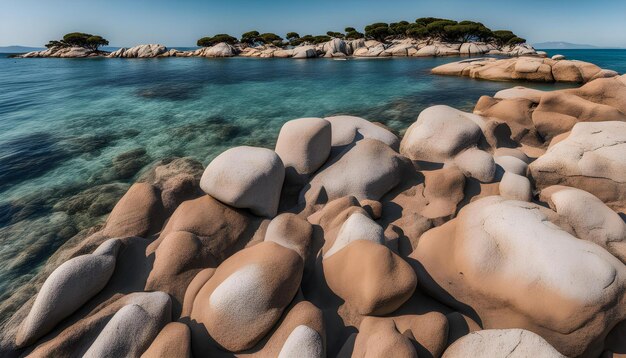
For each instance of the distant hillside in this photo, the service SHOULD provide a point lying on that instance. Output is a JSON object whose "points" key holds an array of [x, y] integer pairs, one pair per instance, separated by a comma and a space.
{"points": [[560, 45], [18, 49]]}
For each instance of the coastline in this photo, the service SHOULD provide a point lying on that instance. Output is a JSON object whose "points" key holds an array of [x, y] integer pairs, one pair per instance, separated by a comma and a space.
{"points": [[335, 48], [502, 162]]}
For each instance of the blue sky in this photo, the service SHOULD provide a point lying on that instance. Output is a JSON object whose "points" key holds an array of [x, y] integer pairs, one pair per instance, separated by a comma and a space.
{"points": [[182, 22]]}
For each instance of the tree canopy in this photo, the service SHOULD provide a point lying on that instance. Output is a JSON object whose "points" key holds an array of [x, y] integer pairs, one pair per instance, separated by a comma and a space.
{"points": [[378, 31], [79, 39], [211, 41]]}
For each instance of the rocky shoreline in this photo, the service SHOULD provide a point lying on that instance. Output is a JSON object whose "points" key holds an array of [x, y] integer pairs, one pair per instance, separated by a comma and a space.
{"points": [[556, 69], [494, 231], [335, 48]]}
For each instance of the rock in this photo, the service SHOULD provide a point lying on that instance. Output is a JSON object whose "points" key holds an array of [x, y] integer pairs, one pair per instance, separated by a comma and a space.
{"points": [[476, 163], [174, 340], [558, 57], [303, 145], [246, 296], [530, 94], [75, 52], [512, 164], [440, 133], [503, 273], [141, 51], [348, 130], [67, 289], [303, 342], [247, 178], [514, 343], [535, 69], [177, 178], [131, 330], [515, 187], [443, 190], [292, 232], [471, 48], [304, 52], [139, 213], [590, 218], [357, 227], [335, 46], [590, 158], [221, 49], [598, 100], [427, 51], [369, 277], [201, 233], [380, 338], [352, 174]]}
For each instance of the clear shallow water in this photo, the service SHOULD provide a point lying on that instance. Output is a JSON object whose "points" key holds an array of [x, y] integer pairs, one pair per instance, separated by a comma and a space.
{"points": [[75, 132]]}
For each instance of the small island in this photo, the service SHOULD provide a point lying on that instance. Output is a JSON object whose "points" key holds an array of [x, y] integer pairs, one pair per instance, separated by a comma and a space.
{"points": [[425, 37]]}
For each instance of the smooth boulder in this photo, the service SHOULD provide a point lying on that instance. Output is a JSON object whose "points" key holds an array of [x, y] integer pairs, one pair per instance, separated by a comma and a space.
{"points": [[514, 343], [246, 178], [67, 289], [304, 145]]}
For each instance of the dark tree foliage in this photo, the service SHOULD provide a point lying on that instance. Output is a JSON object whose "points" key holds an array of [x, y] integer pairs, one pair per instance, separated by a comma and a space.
{"points": [[211, 41], [502, 37], [417, 31], [349, 29], [399, 28], [378, 31], [292, 36], [425, 21], [270, 38], [338, 35], [250, 37], [437, 29], [79, 39], [466, 31], [353, 35]]}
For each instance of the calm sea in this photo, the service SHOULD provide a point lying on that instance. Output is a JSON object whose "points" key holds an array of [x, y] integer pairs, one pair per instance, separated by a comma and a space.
{"points": [[75, 132]]}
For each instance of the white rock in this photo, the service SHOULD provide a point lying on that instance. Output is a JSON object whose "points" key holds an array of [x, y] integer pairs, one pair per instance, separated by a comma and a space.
{"points": [[303, 145], [501, 343], [353, 174], [347, 130], [222, 49], [512, 164], [67, 289], [303, 342], [357, 227], [515, 187], [246, 177], [477, 164], [131, 330], [439, 133], [590, 218], [558, 57]]}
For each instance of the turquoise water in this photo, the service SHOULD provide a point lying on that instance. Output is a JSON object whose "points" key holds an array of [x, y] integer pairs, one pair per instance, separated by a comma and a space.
{"points": [[75, 132]]}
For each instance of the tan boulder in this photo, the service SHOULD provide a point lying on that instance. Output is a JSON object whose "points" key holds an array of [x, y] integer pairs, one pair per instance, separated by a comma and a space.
{"points": [[504, 273], [140, 212], [246, 296], [369, 277], [591, 158], [174, 341], [379, 337]]}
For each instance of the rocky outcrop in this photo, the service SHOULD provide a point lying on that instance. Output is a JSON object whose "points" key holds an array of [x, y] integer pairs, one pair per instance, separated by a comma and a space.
{"points": [[499, 232], [534, 69], [141, 51], [503, 273], [590, 158]]}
